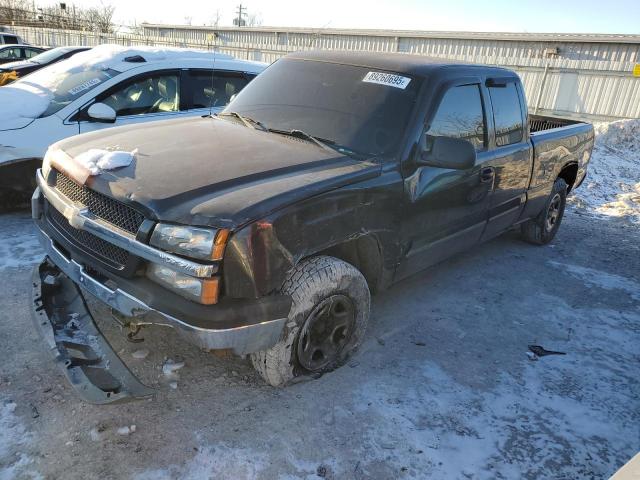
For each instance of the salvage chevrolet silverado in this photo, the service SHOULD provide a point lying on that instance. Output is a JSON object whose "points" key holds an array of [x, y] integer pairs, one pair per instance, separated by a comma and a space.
{"points": [[264, 229]]}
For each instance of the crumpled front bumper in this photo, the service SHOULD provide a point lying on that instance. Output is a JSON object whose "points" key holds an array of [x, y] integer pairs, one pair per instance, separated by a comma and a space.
{"points": [[85, 355], [62, 317]]}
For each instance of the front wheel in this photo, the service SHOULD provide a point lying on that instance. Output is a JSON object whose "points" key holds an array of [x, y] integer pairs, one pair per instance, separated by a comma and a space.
{"points": [[543, 228], [327, 321]]}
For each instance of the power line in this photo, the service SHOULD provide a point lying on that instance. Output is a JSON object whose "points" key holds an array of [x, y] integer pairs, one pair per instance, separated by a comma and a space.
{"points": [[239, 20]]}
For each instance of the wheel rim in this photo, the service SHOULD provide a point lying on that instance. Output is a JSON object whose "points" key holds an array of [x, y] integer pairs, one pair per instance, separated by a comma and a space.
{"points": [[553, 212], [326, 332]]}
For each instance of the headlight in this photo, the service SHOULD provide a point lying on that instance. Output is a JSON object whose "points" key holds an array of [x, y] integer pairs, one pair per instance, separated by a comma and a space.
{"points": [[192, 242], [201, 290]]}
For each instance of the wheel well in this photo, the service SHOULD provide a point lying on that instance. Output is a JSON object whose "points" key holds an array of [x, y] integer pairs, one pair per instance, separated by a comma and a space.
{"points": [[364, 253], [569, 173]]}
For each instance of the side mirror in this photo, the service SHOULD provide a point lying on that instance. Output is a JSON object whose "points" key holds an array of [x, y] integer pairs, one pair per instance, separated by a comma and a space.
{"points": [[233, 97], [99, 112], [447, 152]]}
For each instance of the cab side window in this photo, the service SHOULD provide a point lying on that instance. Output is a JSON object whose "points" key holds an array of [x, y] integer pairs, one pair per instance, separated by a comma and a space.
{"points": [[150, 94], [214, 90], [460, 115], [507, 114]]}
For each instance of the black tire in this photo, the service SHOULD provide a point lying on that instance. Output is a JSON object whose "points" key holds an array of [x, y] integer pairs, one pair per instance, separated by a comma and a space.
{"points": [[326, 293], [543, 228]]}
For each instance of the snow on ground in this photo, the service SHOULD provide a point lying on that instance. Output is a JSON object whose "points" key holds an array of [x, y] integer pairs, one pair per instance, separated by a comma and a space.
{"points": [[214, 462], [19, 246], [612, 186], [14, 463]]}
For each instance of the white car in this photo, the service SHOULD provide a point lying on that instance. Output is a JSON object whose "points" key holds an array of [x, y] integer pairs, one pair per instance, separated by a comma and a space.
{"points": [[106, 87]]}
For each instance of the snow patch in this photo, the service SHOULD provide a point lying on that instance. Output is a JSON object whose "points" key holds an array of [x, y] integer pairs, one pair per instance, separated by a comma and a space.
{"points": [[140, 354], [612, 186], [598, 278], [219, 462], [170, 367], [126, 430], [19, 246], [22, 101], [13, 461], [97, 160]]}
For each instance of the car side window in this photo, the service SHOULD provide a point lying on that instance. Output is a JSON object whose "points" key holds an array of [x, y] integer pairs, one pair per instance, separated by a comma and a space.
{"points": [[148, 94], [30, 53], [10, 54], [214, 91], [460, 115], [9, 39], [507, 114]]}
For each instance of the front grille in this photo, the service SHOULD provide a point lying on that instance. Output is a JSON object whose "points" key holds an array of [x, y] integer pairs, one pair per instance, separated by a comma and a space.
{"points": [[110, 254], [106, 208]]}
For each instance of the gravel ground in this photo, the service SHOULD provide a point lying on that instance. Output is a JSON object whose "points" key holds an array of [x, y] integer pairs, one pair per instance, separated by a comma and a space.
{"points": [[442, 386]]}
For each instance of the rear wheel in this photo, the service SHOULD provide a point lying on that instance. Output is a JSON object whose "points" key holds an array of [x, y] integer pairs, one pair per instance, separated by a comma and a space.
{"points": [[327, 321], [543, 228]]}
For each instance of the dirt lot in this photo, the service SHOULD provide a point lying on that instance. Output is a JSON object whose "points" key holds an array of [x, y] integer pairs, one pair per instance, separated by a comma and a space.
{"points": [[442, 386]]}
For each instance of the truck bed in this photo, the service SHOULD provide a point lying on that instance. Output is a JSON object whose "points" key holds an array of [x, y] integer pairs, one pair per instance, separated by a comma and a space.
{"points": [[538, 123]]}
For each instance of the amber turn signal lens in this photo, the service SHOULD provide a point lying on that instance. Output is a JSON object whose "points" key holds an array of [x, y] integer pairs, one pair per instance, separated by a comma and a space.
{"points": [[210, 290], [219, 244]]}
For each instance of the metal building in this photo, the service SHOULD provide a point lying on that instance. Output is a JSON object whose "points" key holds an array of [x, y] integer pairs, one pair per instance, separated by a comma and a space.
{"points": [[580, 75]]}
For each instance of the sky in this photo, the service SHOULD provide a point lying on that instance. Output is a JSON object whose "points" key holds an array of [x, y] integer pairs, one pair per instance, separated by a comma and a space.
{"points": [[564, 16]]}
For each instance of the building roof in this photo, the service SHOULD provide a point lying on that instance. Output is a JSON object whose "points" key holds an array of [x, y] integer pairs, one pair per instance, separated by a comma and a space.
{"points": [[506, 36]]}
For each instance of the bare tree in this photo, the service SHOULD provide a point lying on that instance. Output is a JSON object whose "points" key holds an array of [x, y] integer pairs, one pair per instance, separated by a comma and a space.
{"points": [[215, 19], [101, 18], [14, 11], [24, 12], [254, 20]]}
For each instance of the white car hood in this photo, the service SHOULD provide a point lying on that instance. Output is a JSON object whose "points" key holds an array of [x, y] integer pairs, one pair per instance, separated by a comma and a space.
{"points": [[14, 123], [21, 104]]}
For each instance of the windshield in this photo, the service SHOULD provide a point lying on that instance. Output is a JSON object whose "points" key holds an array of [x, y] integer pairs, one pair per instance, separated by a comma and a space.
{"points": [[64, 86], [360, 108], [49, 55]]}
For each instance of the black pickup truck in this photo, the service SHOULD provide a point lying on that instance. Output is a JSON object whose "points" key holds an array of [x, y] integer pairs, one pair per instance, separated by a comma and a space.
{"points": [[264, 229]]}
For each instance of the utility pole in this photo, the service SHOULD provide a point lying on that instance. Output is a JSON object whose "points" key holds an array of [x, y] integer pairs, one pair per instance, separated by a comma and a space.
{"points": [[241, 13]]}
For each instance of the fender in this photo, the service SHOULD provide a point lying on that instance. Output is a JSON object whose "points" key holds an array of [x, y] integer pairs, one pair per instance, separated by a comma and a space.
{"points": [[259, 255]]}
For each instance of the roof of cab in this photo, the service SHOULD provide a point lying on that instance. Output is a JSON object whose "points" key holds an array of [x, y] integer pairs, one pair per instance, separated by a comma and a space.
{"points": [[410, 64]]}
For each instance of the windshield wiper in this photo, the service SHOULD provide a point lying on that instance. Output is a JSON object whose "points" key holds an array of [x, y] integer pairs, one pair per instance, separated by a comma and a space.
{"points": [[325, 143], [249, 122], [321, 142]]}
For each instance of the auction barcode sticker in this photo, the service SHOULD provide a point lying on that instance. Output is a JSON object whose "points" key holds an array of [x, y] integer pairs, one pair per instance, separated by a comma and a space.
{"points": [[84, 86], [389, 79]]}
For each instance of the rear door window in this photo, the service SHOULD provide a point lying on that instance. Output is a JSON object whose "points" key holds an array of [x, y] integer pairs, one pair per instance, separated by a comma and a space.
{"points": [[214, 90], [507, 114], [31, 52], [460, 115]]}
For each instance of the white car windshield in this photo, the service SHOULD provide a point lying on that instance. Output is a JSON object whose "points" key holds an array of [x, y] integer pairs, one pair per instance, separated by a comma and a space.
{"points": [[64, 86]]}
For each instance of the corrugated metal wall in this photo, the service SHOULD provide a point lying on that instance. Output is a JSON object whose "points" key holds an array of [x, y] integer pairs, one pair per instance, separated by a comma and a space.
{"points": [[590, 76], [585, 76]]}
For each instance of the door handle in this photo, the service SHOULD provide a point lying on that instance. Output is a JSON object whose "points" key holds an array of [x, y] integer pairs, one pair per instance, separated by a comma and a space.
{"points": [[487, 174]]}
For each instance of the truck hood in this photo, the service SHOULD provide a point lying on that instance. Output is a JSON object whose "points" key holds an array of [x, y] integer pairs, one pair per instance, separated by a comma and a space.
{"points": [[209, 171]]}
